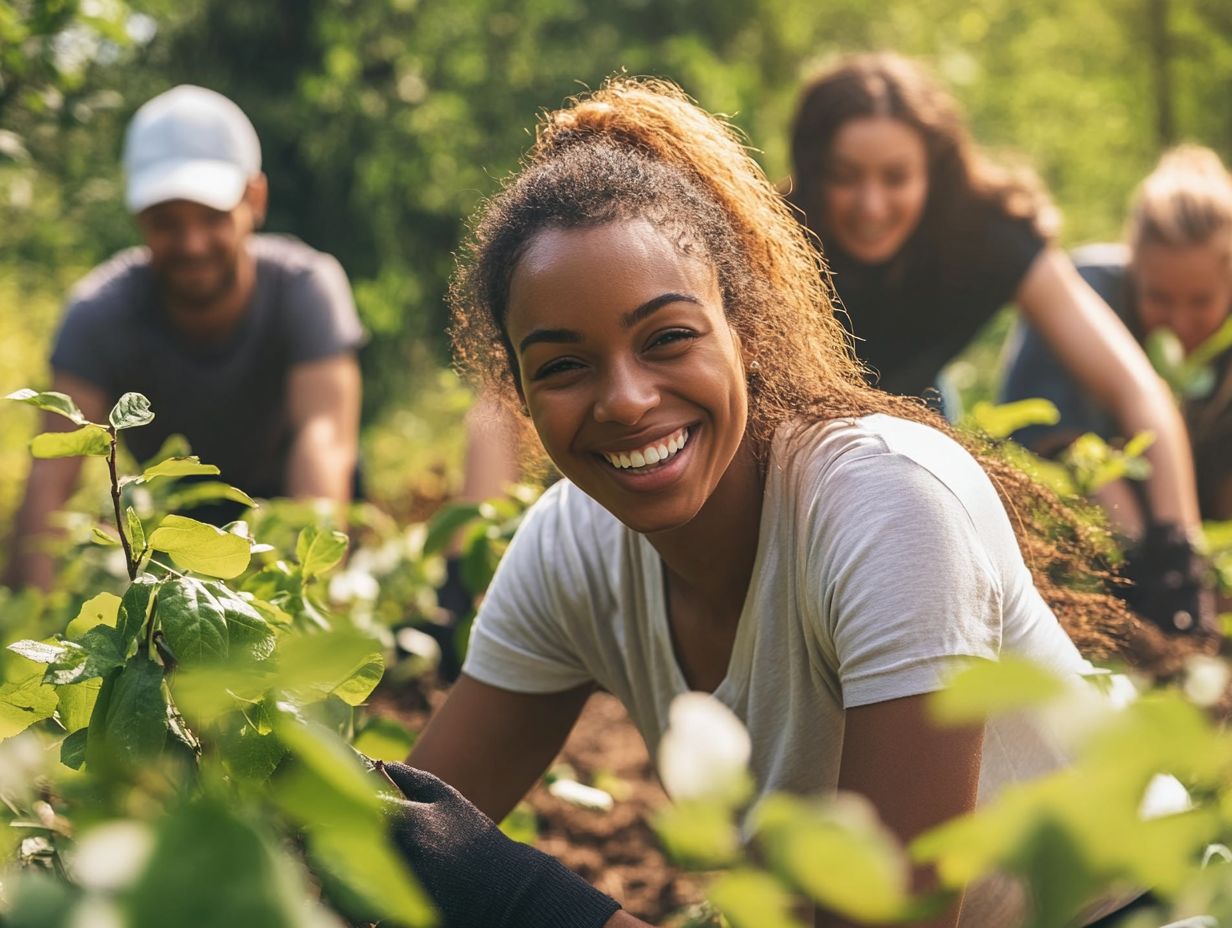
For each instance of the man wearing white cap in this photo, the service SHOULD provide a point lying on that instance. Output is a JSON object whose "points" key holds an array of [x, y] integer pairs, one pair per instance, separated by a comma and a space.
{"points": [[244, 343]]}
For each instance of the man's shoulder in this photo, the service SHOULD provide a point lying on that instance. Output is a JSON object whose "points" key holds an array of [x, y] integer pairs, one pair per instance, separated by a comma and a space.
{"points": [[1105, 267], [289, 256], [115, 287]]}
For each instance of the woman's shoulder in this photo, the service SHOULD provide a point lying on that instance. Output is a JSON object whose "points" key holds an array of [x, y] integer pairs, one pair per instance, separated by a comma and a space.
{"points": [[876, 461], [564, 515]]}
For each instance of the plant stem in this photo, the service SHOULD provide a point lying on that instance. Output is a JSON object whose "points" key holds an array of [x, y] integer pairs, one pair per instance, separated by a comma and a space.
{"points": [[115, 502]]}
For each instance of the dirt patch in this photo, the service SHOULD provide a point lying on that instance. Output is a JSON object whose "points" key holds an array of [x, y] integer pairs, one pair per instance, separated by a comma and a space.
{"points": [[616, 851]]}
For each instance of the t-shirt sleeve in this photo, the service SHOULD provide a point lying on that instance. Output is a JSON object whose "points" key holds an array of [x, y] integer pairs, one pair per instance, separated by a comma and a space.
{"points": [[322, 320], [910, 585], [1003, 250], [521, 640]]}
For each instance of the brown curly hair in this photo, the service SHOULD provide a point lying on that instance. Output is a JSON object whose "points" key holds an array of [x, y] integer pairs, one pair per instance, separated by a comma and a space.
{"points": [[640, 148], [886, 84]]}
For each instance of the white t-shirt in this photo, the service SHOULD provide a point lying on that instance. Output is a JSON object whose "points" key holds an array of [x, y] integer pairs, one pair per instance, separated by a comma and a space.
{"points": [[884, 554]]}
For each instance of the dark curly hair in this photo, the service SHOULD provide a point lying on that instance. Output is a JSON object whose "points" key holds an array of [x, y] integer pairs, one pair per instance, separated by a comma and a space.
{"points": [[642, 149]]}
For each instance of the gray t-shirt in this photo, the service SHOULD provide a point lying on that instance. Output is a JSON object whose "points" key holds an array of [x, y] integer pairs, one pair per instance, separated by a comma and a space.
{"points": [[884, 554], [229, 399]]}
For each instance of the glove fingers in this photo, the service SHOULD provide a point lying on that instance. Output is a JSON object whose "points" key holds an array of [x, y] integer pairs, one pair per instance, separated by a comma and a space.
{"points": [[417, 785]]}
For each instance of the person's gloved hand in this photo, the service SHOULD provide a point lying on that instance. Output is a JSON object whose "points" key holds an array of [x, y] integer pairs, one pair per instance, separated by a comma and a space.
{"points": [[475, 875], [1166, 583]]}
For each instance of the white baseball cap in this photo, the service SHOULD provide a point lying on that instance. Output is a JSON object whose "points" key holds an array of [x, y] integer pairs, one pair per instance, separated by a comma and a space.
{"points": [[189, 144]]}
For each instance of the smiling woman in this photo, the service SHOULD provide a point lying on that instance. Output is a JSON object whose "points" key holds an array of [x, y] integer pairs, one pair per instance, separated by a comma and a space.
{"points": [[741, 514]]}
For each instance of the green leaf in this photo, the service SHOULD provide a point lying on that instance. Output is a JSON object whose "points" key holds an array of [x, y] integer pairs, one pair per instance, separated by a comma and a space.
{"points": [[985, 688], [247, 629], [99, 651], [89, 440], [101, 537], [317, 550], [753, 899], [131, 411], [212, 868], [193, 621], [73, 749], [135, 607], [177, 467], [359, 685], [211, 491], [698, 834], [446, 523], [136, 533], [329, 759], [250, 755], [133, 729], [311, 667], [385, 739], [103, 609], [838, 852], [41, 652], [76, 703], [202, 548], [51, 402], [1004, 420], [24, 702], [478, 564], [1139, 444]]}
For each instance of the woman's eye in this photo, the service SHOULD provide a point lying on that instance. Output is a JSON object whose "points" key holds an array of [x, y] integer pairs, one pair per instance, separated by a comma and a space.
{"points": [[671, 336], [559, 366]]}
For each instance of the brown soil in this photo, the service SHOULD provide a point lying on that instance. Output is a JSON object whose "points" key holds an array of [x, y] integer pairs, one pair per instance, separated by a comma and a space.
{"points": [[616, 851]]}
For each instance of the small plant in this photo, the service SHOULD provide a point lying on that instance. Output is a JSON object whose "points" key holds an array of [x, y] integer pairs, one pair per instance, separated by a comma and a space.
{"points": [[200, 728]]}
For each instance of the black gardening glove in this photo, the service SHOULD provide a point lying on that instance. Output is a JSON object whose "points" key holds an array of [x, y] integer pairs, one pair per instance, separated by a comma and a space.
{"points": [[477, 877], [1166, 583]]}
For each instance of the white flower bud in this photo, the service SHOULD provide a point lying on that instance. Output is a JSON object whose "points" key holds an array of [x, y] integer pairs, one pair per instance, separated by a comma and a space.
{"points": [[704, 754]]}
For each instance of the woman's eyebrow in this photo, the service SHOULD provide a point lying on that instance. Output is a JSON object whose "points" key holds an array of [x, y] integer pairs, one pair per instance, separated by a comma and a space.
{"points": [[650, 307], [628, 320]]}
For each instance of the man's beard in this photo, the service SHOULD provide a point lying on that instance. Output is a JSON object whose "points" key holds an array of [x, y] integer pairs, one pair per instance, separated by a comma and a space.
{"points": [[193, 298]]}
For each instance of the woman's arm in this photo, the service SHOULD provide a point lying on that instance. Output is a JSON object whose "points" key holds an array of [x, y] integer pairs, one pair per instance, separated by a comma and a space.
{"points": [[492, 744], [1101, 354], [915, 773]]}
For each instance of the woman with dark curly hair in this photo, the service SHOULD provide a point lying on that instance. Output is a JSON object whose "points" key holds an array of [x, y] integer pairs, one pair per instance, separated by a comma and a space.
{"points": [[741, 514], [926, 239]]}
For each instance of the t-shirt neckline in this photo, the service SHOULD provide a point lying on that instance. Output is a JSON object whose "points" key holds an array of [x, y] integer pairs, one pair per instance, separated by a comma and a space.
{"points": [[735, 681]]}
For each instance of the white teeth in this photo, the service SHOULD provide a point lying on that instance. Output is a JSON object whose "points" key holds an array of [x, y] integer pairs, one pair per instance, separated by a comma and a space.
{"points": [[651, 454]]}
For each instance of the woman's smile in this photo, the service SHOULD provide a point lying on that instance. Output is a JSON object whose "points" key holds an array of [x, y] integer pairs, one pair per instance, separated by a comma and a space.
{"points": [[632, 376]]}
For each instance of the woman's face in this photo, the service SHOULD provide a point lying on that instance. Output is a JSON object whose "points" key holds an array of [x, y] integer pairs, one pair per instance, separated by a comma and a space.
{"points": [[632, 376], [1188, 289], [875, 187]]}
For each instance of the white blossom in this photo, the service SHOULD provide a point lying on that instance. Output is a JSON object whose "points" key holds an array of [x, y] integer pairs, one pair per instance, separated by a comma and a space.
{"points": [[704, 754]]}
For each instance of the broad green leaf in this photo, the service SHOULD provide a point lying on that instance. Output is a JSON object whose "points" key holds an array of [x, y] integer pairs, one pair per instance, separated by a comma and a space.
{"points": [[135, 606], [1165, 352], [131, 411], [212, 868], [318, 550], [202, 548], [35, 900], [1002, 421], [312, 666], [360, 684], [698, 834], [753, 899], [177, 467], [478, 562], [73, 749], [361, 857], [51, 402], [384, 739], [41, 652], [134, 725], [76, 703], [247, 629], [89, 440], [101, 537], [250, 755], [838, 852], [103, 609], [446, 523], [24, 702], [329, 758], [193, 621], [197, 494], [99, 651], [136, 533], [986, 688]]}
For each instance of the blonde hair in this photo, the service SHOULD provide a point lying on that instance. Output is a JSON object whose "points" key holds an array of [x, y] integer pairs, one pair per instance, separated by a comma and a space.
{"points": [[1186, 201], [641, 149]]}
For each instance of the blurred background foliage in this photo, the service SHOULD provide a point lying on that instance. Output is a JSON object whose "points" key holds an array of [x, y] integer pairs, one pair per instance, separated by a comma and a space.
{"points": [[384, 122]]}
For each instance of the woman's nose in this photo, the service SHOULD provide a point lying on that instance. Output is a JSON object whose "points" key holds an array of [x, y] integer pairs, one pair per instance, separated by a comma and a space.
{"points": [[872, 202], [625, 395]]}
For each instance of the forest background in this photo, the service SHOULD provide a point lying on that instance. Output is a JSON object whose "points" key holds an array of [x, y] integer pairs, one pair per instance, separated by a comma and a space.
{"points": [[384, 122]]}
